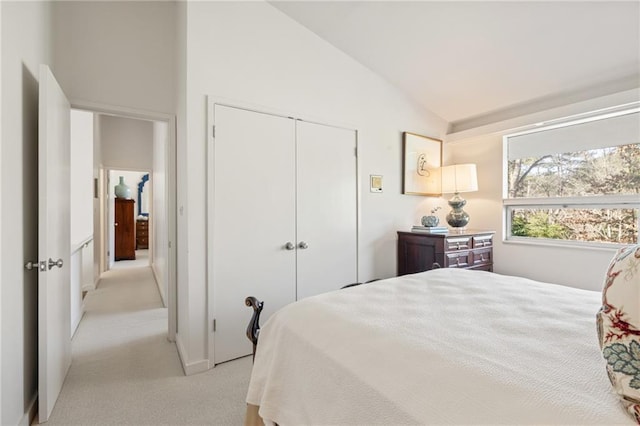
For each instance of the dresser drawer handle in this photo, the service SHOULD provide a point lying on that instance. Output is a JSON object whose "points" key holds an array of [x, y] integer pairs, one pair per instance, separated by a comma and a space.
{"points": [[458, 246], [482, 257]]}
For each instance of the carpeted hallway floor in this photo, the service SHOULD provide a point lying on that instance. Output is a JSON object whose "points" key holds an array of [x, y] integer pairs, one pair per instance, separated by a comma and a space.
{"points": [[125, 372]]}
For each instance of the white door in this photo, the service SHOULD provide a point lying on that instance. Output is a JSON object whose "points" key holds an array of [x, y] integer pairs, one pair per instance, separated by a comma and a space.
{"points": [[326, 208], [54, 312], [253, 222]]}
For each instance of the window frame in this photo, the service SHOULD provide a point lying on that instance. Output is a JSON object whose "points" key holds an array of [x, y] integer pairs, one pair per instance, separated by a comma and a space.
{"points": [[610, 201]]}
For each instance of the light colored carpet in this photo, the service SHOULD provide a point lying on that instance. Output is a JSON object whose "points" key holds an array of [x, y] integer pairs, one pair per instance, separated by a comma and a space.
{"points": [[142, 259], [125, 372]]}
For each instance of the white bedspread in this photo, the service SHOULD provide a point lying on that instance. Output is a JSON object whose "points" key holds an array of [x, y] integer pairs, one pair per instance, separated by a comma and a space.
{"points": [[441, 347]]}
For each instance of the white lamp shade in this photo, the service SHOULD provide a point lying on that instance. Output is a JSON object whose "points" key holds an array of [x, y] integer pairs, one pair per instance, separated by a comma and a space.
{"points": [[459, 178]]}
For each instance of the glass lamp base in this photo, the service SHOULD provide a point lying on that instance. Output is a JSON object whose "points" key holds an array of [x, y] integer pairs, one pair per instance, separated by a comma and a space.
{"points": [[457, 218]]}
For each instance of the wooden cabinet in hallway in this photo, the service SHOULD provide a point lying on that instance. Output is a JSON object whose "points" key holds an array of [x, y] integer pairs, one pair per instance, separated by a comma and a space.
{"points": [[125, 236]]}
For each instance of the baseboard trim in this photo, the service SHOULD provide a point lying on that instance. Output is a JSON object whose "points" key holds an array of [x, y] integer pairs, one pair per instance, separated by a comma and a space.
{"points": [[192, 367], [91, 287], [28, 417]]}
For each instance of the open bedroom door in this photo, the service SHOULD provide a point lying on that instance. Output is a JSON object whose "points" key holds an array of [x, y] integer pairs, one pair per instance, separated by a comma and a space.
{"points": [[54, 317]]}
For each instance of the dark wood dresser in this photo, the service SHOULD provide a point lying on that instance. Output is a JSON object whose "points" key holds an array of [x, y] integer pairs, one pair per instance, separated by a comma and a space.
{"points": [[125, 240], [142, 234], [467, 249]]}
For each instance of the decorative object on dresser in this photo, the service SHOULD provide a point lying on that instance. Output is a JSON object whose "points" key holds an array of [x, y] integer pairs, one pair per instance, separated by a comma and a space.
{"points": [[431, 221], [458, 178], [431, 229], [125, 240], [421, 165], [142, 234], [143, 196], [122, 190], [418, 251]]}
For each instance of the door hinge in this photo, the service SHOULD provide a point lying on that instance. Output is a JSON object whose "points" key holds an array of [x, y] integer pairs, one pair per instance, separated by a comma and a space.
{"points": [[213, 131], [214, 325], [169, 244], [355, 151]]}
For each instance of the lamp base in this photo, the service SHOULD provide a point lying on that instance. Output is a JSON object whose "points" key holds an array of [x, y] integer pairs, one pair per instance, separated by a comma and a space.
{"points": [[457, 218]]}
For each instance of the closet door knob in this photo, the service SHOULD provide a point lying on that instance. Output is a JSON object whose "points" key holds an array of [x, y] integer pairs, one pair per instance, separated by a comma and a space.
{"points": [[303, 245], [289, 246]]}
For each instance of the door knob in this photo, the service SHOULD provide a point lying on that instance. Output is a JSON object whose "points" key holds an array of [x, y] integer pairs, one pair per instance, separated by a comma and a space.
{"points": [[302, 245], [289, 246], [57, 263]]}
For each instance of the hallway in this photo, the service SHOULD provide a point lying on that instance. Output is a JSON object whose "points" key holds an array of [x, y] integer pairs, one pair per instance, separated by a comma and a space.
{"points": [[124, 371]]}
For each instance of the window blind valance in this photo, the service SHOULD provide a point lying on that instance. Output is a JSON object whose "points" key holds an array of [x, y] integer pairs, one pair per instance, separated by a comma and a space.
{"points": [[600, 133]]}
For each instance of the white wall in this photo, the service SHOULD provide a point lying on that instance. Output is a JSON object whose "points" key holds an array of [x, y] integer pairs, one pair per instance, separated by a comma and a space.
{"points": [[1, 81], [159, 220], [81, 164], [572, 266], [251, 52], [81, 208], [26, 33], [116, 53], [98, 202], [75, 286], [126, 143]]}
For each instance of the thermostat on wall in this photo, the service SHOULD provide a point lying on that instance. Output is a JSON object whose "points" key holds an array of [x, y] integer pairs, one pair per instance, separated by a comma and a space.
{"points": [[376, 183]]}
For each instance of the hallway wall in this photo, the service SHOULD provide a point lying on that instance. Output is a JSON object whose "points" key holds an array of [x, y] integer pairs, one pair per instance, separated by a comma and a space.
{"points": [[26, 35], [116, 53], [126, 143], [159, 220], [81, 169]]}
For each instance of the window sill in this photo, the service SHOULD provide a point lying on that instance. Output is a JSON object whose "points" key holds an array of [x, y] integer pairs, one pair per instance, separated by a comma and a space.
{"points": [[606, 247]]}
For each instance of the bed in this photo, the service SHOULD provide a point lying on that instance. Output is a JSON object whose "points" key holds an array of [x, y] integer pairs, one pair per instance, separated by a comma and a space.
{"points": [[446, 346]]}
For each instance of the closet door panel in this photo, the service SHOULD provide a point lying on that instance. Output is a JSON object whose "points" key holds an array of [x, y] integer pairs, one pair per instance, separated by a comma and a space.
{"points": [[253, 219], [326, 208]]}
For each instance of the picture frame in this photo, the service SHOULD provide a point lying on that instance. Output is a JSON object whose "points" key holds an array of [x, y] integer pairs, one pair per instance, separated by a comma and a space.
{"points": [[421, 163]]}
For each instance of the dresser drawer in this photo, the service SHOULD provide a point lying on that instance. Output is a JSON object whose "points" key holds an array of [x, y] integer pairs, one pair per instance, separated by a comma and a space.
{"points": [[480, 241], [142, 232], [482, 256], [460, 259], [464, 249], [457, 243]]}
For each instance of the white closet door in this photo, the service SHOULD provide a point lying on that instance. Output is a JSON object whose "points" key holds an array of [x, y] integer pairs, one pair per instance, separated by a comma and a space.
{"points": [[326, 208], [253, 220]]}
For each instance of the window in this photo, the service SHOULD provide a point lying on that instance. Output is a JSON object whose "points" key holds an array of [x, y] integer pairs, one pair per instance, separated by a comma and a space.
{"points": [[576, 182]]}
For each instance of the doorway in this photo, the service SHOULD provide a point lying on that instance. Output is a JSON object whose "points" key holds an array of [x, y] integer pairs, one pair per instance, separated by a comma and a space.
{"points": [[152, 188], [130, 218]]}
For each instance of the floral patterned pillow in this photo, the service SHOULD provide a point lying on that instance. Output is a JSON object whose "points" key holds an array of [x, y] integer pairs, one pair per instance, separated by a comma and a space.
{"points": [[619, 327]]}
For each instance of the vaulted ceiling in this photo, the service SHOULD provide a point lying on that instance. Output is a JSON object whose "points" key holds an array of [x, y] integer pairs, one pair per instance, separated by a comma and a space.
{"points": [[477, 62]]}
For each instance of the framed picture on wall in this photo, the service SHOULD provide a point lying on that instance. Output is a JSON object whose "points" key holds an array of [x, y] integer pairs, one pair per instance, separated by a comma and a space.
{"points": [[422, 159]]}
